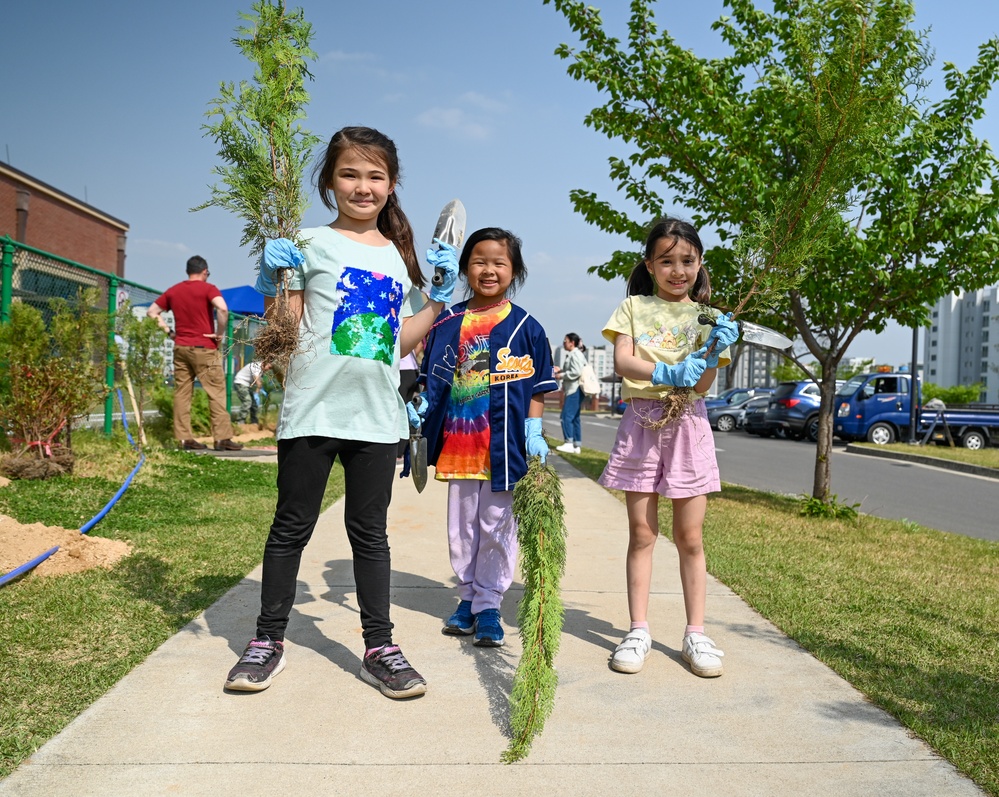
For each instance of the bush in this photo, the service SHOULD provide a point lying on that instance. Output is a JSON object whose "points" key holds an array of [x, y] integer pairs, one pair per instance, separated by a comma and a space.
{"points": [[201, 423], [50, 374]]}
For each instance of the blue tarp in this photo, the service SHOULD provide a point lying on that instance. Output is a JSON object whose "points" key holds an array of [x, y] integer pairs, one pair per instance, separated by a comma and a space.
{"points": [[243, 300]]}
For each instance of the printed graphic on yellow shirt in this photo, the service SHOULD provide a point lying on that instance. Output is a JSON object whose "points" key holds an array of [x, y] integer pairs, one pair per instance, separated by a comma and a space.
{"points": [[674, 338]]}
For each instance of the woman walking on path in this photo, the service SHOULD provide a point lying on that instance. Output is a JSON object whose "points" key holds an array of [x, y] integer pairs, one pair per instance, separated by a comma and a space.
{"points": [[569, 373]]}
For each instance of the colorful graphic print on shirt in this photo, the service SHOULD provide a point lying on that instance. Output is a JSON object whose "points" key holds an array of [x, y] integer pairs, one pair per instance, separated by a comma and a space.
{"points": [[366, 322], [679, 336], [465, 453]]}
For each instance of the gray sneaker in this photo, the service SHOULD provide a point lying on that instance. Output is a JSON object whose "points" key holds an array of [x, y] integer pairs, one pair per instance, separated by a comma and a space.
{"points": [[260, 662], [387, 668]]}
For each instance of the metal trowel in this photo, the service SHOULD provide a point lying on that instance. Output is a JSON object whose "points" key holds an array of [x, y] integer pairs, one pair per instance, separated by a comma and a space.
{"points": [[451, 230], [418, 452], [754, 333]]}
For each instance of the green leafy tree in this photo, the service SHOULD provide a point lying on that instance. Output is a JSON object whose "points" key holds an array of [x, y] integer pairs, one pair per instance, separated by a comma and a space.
{"points": [[142, 354], [263, 147], [902, 218]]}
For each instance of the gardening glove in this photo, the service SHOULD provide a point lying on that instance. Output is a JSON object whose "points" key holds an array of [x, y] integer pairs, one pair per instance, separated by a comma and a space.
{"points": [[710, 360], [278, 253], [725, 332], [446, 257], [417, 412], [684, 374], [534, 441]]}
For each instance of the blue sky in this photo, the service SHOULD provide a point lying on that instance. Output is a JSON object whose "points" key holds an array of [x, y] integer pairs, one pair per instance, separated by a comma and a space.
{"points": [[106, 101]]}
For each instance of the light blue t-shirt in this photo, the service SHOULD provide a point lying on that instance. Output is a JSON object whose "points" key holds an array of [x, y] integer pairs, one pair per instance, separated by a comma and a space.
{"points": [[345, 381]]}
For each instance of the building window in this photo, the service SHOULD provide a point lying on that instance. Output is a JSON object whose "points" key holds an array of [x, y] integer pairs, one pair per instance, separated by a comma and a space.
{"points": [[933, 328], [933, 343], [933, 372]]}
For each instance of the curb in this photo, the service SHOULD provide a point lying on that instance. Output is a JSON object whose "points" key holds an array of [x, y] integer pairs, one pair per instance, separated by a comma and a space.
{"points": [[946, 464]]}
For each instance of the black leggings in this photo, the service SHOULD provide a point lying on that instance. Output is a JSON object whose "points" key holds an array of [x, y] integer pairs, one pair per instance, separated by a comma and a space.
{"points": [[304, 465]]}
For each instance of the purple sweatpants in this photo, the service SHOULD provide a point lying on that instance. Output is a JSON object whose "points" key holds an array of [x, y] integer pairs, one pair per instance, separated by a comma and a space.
{"points": [[482, 539]]}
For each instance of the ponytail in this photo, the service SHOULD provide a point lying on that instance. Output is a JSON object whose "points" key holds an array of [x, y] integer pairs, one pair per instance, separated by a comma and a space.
{"points": [[393, 224]]}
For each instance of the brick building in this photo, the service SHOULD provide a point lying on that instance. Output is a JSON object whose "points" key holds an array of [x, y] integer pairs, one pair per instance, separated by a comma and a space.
{"points": [[44, 217]]}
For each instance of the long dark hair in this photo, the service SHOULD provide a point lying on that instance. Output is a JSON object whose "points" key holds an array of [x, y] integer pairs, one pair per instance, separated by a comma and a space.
{"points": [[513, 246], [392, 222], [640, 283], [577, 341]]}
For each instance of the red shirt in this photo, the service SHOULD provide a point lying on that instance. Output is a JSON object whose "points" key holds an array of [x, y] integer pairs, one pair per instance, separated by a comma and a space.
{"points": [[193, 314]]}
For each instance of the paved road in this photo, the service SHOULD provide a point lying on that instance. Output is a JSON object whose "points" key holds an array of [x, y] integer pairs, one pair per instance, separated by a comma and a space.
{"points": [[933, 497]]}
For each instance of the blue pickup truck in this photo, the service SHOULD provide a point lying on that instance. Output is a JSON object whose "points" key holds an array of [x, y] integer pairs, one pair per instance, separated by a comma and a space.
{"points": [[875, 407]]}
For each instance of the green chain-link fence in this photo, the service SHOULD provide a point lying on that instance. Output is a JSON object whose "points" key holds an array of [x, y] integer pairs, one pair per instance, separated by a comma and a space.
{"points": [[36, 277]]}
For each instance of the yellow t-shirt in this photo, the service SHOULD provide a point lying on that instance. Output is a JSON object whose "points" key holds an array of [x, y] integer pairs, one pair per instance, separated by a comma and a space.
{"points": [[663, 332]]}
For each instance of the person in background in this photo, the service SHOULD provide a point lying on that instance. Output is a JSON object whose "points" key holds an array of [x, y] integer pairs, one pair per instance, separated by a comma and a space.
{"points": [[246, 383], [572, 406], [199, 318]]}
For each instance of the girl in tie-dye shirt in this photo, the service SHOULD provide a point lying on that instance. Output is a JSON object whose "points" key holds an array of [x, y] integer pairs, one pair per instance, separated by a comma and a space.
{"points": [[486, 368]]}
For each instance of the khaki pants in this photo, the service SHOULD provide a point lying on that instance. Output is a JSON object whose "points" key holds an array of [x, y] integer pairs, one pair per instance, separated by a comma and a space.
{"points": [[205, 364]]}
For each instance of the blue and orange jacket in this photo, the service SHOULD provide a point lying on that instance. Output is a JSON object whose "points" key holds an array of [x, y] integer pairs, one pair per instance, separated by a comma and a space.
{"points": [[520, 367]]}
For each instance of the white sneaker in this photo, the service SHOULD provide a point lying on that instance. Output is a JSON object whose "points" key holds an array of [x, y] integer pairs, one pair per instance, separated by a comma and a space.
{"points": [[631, 654], [577, 450], [567, 448], [701, 654]]}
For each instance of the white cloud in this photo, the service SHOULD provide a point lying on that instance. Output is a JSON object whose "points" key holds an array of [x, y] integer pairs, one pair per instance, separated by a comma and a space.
{"points": [[454, 121]]}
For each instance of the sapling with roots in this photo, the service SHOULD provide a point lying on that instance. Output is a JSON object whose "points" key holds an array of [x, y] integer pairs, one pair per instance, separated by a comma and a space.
{"points": [[265, 151]]}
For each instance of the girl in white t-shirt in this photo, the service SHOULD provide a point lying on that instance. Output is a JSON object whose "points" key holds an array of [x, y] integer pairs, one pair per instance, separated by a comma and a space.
{"points": [[356, 290], [658, 345]]}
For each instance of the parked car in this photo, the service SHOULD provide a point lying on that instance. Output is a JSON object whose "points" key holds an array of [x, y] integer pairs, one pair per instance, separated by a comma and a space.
{"points": [[727, 417], [794, 410], [754, 417], [736, 395]]}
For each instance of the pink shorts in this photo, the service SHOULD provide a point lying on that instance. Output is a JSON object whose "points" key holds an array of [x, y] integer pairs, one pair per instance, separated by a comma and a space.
{"points": [[678, 461]]}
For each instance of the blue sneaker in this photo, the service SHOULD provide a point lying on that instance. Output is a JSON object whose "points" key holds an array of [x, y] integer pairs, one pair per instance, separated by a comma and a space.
{"points": [[462, 622], [488, 631]]}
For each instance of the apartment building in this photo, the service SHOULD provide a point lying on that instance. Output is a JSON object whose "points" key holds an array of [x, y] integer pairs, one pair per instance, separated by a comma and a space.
{"points": [[960, 344]]}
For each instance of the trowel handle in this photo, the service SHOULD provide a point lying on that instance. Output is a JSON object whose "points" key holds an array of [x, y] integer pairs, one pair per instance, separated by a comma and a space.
{"points": [[438, 277]]}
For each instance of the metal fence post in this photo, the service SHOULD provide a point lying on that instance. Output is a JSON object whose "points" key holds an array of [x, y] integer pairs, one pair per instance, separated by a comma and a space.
{"points": [[6, 279], [109, 369], [228, 365]]}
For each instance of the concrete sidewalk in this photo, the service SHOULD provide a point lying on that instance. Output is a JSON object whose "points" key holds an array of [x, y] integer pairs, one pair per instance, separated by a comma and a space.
{"points": [[777, 722]]}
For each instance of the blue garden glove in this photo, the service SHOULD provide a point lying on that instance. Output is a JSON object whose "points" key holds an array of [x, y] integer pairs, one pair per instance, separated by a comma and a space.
{"points": [[278, 253], [534, 441], [417, 412], [725, 332], [710, 360], [684, 374], [447, 258]]}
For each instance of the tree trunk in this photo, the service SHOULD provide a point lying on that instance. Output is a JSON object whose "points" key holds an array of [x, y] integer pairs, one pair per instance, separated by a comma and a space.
{"points": [[822, 485]]}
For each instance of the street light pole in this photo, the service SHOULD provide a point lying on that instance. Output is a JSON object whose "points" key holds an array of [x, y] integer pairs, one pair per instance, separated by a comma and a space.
{"points": [[914, 392]]}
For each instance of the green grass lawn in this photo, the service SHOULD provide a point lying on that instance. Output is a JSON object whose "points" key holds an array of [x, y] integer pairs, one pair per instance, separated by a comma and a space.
{"points": [[986, 458], [68, 639], [910, 616]]}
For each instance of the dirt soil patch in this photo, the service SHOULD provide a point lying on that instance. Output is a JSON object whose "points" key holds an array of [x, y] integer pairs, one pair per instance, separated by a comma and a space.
{"points": [[20, 543]]}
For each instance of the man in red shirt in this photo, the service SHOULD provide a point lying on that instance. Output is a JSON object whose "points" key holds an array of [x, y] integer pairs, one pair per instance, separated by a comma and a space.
{"points": [[199, 316]]}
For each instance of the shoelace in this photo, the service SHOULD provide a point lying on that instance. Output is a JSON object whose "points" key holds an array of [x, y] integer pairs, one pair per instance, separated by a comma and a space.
{"points": [[257, 653], [395, 661]]}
